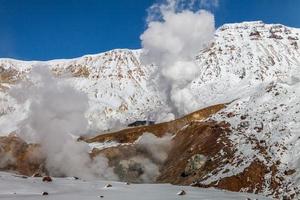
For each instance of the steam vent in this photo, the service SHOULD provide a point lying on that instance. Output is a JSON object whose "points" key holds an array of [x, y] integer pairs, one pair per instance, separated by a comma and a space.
{"points": [[198, 108]]}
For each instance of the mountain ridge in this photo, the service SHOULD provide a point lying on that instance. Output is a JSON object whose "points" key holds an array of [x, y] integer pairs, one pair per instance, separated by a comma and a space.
{"points": [[253, 65]]}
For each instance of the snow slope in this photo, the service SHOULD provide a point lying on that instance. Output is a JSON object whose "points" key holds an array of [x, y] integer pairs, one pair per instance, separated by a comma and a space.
{"points": [[13, 187], [121, 90], [253, 65], [257, 66], [115, 82], [243, 56]]}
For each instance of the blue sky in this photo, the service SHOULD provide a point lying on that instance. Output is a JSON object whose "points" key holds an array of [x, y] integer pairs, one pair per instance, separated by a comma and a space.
{"points": [[49, 29]]}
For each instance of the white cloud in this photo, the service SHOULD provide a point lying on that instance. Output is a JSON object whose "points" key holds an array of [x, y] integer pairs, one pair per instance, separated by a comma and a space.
{"points": [[56, 112], [172, 44]]}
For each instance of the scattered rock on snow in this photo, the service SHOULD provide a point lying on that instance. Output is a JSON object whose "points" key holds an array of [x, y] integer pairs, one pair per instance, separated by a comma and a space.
{"points": [[47, 179], [181, 192], [108, 186], [289, 172], [45, 193]]}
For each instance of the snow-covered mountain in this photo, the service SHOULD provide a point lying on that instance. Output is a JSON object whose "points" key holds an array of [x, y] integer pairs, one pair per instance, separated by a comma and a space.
{"points": [[115, 82], [242, 57], [120, 89], [255, 67]]}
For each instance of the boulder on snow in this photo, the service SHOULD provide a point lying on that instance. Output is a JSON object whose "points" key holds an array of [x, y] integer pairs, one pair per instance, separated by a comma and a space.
{"points": [[47, 179], [181, 192], [45, 193]]}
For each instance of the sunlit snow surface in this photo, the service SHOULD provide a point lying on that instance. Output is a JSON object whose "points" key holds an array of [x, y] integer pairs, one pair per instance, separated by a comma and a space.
{"points": [[14, 187]]}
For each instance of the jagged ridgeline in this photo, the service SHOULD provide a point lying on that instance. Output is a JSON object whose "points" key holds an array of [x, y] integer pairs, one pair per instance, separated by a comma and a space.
{"points": [[251, 144]]}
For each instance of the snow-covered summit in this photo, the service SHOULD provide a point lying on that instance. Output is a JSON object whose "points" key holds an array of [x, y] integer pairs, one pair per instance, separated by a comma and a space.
{"points": [[257, 66], [242, 56], [115, 81], [253, 65]]}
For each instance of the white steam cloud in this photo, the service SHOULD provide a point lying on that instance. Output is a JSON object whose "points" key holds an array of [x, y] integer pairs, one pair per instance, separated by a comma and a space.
{"points": [[172, 44], [152, 152], [156, 147], [156, 150], [177, 31], [56, 114]]}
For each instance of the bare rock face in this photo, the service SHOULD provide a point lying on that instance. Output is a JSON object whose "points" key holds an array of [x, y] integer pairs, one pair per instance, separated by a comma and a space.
{"points": [[202, 154], [199, 138], [199, 155], [8, 76], [130, 135], [17, 155]]}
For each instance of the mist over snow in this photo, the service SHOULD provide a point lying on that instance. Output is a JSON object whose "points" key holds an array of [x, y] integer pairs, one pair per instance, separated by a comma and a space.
{"points": [[56, 115], [144, 165], [56, 118], [175, 34], [156, 147], [155, 152], [53, 107]]}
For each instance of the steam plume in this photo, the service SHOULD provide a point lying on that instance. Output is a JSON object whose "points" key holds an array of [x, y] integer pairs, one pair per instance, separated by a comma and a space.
{"points": [[175, 34], [151, 152], [56, 114]]}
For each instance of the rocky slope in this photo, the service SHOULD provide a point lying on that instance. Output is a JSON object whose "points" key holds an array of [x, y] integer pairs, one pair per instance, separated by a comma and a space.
{"points": [[115, 82], [26, 158], [201, 150], [121, 90], [262, 73], [253, 143]]}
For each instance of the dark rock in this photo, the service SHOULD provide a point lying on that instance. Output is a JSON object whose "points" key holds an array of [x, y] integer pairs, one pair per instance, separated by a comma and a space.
{"points": [[289, 172], [47, 179], [243, 117], [141, 123], [37, 175], [182, 192], [45, 193], [255, 33]]}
